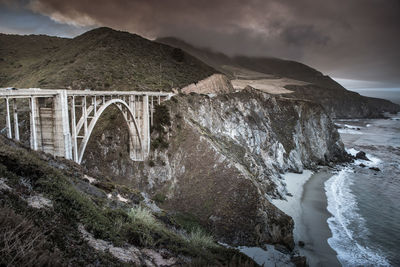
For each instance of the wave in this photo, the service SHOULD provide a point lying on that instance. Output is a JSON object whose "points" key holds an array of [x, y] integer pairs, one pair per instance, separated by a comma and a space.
{"points": [[347, 225], [349, 131], [372, 162]]}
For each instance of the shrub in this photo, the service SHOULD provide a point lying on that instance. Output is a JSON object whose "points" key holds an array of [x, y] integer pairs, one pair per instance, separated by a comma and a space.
{"points": [[144, 216], [151, 163], [159, 198], [161, 118], [198, 238], [144, 230]]}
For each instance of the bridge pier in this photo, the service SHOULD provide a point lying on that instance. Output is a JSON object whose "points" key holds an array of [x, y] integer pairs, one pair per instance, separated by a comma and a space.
{"points": [[62, 136], [16, 127], [33, 120], [8, 119]]}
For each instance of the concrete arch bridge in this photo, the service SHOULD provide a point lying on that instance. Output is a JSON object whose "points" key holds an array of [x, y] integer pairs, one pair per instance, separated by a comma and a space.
{"points": [[62, 121]]}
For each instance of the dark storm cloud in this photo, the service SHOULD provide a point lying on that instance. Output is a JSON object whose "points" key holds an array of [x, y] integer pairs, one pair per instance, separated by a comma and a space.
{"points": [[302, 35], [356, 39]]}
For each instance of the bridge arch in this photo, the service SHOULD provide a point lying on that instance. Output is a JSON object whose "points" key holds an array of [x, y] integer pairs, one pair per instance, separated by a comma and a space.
{"points": [[129, 119]]}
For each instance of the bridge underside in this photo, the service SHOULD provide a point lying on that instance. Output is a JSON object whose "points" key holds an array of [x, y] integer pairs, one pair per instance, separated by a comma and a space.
{"points": [[62, 121]]}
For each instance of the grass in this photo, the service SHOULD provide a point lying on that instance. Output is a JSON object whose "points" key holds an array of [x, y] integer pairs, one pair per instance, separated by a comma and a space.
{"points": [[144, 216], [198, 238]]}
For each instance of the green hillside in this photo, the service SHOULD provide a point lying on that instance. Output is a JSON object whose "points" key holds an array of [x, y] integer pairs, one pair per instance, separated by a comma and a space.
{"points": [[101, 59]]}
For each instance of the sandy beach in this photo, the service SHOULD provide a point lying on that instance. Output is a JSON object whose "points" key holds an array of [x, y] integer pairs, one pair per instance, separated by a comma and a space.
{"points": [[313, 227], [307, 205]]}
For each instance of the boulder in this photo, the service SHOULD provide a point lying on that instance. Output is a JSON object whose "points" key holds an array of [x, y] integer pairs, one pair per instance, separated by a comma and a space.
{"points": [[361, 155]]}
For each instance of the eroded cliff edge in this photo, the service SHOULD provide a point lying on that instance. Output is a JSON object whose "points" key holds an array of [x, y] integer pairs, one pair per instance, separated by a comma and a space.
{"points": [[219, 159]]}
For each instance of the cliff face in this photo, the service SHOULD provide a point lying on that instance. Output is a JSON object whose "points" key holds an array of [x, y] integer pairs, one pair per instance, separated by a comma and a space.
{"points": [[219, 159]]}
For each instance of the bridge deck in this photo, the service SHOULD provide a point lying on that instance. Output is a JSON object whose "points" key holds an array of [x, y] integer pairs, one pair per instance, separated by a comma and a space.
{"points": [[23, 93]]}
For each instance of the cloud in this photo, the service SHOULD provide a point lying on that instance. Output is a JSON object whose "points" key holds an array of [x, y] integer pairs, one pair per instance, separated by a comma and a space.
{"points": [[351, 39]]}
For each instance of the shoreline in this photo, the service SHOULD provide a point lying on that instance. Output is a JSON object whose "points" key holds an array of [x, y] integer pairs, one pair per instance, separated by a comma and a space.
{"points": [[313, 227], [306, 202], [307, 205]]}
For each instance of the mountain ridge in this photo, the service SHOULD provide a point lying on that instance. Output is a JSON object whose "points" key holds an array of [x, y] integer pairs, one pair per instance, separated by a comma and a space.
{"points": [[338, 101], [100, 59]]}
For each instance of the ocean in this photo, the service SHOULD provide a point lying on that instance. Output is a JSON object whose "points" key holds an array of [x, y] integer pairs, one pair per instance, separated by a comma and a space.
{"points": [[392, 94], [365, 203]]}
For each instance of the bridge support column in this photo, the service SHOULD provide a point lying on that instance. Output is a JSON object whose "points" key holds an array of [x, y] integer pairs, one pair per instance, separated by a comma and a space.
{"points": [[145, 126], [8, 119], [16, 127], [74, 133], [33, 122], [62, 136]]}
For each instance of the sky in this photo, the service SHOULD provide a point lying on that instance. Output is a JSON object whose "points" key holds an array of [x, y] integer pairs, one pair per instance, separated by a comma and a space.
{"points": [[346, 39]]}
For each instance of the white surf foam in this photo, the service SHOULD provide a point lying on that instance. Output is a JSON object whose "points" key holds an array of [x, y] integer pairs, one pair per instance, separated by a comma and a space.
{"points": [[347, 120], [347, 224], [352, 127], [372, 162], [349, 131]]}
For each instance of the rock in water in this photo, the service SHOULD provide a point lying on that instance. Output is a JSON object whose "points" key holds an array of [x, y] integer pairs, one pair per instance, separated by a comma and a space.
{"points": [[375, 169], [361, 155]]}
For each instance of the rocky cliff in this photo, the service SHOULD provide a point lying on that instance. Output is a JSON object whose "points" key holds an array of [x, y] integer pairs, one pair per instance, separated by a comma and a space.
{"points": [[219, 159]]}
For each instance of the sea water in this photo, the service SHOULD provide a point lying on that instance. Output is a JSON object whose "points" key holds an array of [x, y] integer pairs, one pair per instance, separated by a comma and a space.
{"points": [[392, 94], [365, 203]]}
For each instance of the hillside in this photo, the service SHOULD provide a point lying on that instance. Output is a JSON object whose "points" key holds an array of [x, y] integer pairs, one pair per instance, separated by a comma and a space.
{"points": [[101, 59], [53, 214], [267, 72]]}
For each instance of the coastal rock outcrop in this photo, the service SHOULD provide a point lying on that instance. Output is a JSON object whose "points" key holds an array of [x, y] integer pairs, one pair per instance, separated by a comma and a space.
{"points": [[219, 159], [361, 155]]}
